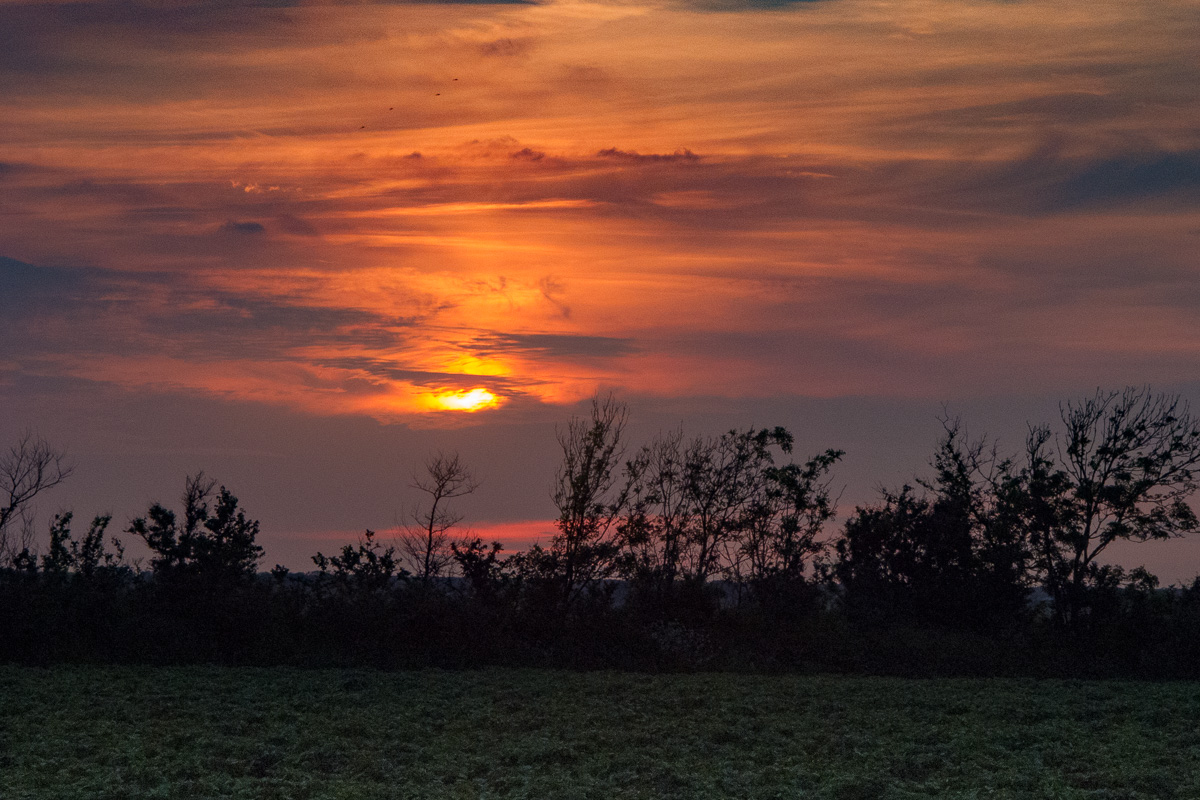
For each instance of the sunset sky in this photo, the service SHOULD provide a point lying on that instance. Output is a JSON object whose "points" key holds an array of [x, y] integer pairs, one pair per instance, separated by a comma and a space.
{"points": [[302, 245]]}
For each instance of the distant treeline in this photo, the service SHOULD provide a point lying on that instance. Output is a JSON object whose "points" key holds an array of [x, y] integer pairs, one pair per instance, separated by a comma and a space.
{"points": [[683, 553]]}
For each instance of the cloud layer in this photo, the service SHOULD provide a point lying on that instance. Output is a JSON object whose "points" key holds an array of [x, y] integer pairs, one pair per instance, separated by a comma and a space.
{"points": [[351, 208]]}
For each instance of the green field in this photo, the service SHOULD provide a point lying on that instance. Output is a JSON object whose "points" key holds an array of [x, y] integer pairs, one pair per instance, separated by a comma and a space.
{"points": [[88, 732]]}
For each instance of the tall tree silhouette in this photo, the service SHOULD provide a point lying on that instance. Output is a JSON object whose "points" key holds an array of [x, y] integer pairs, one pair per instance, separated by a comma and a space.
{"points": [[588, 499], [789, 514], [425, 539], [1126, 466], [28, 467]]}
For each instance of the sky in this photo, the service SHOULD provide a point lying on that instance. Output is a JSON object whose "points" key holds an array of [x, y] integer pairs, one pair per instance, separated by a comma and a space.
{"points": [[304, 245]]}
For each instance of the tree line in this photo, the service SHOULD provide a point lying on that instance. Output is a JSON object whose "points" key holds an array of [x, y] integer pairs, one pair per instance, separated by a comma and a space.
{"points": [[683, 552]]}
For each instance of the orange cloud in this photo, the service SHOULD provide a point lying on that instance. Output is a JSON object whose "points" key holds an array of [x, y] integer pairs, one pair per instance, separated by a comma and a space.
{"points": [[362, 209]]}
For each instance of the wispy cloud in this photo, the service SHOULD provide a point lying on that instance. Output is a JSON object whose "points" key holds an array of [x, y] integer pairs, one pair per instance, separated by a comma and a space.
{"points": [[344, 208]]}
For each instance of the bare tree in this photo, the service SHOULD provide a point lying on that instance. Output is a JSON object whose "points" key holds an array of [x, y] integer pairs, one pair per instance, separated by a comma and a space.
{"points": [[424, 541], [29, 467]]}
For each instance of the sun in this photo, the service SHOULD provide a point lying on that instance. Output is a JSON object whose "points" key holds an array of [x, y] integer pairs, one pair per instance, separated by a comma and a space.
{"points": [[473, 400]]}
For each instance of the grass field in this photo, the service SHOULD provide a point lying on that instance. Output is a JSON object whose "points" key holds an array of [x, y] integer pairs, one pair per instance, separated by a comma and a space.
{"points": [[87, 732]]}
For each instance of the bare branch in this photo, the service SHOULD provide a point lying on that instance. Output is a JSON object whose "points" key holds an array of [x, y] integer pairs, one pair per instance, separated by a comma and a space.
{"points": [[27, 468], [424, 540]]}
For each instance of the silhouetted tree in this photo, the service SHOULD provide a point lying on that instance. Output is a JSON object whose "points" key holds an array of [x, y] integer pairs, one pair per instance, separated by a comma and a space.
{"points": [[955, 554], [589, 502], [1031, 501], [654, 529], [481, 567], [1122, 467], [1126, 467], [723, 478], [370, 567], [425, 541], [723, 507], [786, 520], [214, 544], [28, 467], [86, 558]]}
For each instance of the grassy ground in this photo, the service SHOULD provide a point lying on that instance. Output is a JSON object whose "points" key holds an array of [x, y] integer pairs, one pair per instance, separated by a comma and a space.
{"points": [[84, 732]]}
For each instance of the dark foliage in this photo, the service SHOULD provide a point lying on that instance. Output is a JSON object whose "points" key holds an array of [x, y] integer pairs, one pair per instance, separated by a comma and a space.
{"points": [[710, 553], [213, 546], [949, 556], [368, 568]]}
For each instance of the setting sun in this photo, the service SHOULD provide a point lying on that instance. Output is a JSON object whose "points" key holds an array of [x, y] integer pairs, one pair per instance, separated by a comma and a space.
{"points": [[474, 400]]}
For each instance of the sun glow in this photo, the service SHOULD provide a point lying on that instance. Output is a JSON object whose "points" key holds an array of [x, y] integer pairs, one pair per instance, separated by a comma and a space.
{"points": [[474, 400]]}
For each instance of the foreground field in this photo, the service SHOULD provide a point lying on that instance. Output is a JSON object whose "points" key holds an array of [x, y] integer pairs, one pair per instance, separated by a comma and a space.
{"points": [[256, 733]]}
